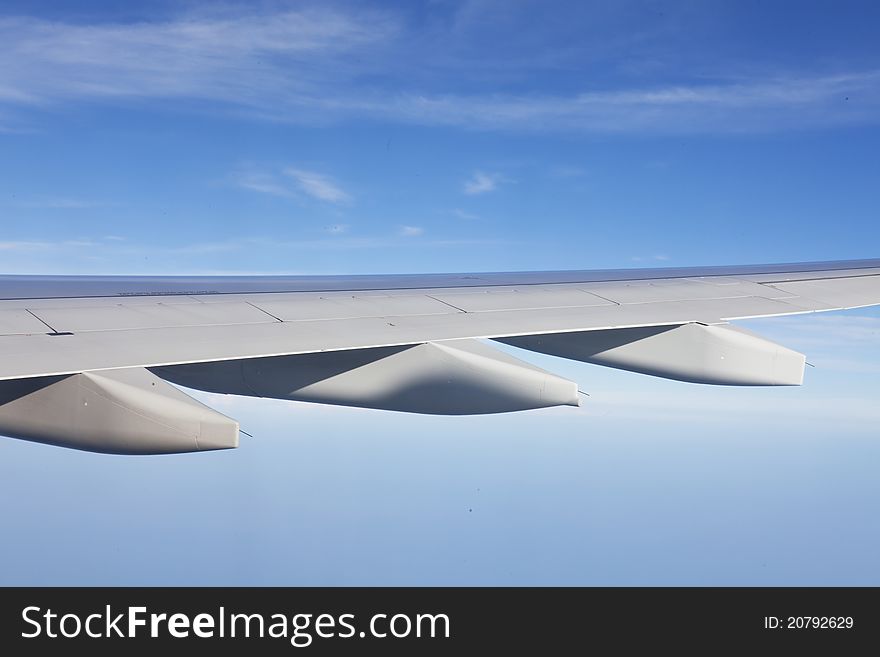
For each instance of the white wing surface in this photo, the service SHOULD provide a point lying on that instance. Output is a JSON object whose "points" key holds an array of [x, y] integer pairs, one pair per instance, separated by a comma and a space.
{"points": [[408, 343]]}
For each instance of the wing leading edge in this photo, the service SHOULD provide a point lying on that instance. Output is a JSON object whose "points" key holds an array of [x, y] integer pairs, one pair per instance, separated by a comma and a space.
{"points": [[399, 343]]}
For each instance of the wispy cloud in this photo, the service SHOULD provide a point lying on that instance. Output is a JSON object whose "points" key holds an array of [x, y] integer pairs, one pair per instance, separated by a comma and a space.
{"points": [[318, 186], [111, 256], [854, 365], [462, 214], [290, 182], [763, 104], [695, 404], [846, 342], [58, 203], [482, 183], [24, 246], [320, 63], [30, 246], [660, 257], [261, 182], [207, 56], [830, 331]]}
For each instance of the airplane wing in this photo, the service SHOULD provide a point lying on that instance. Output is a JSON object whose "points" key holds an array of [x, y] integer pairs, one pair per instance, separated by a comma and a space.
{"points": [[85, 361]]}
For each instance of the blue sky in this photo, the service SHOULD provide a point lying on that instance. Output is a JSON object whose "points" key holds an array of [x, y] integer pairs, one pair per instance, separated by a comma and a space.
{"points": [[343, 137]]}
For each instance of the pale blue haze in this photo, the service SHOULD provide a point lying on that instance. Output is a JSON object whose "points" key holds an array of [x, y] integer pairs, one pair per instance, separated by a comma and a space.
{"points": [[343, 137]]}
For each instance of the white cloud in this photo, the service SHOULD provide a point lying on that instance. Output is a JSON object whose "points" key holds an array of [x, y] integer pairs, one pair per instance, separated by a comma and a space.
{"points": [[820, 331], [134, 257], [217, 57], [763, 104], [290, 182], [668, 403], [318, 186], [655, 258], [481, 183], [461, 214], [308, 65], [59, 204], [261, 182], [27, 246], [855, 364]]}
